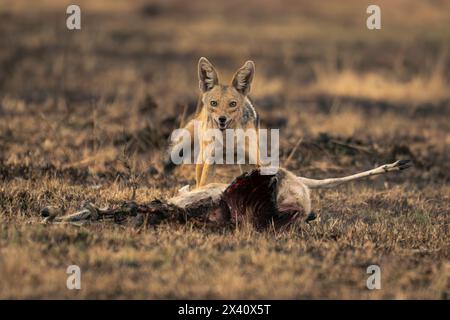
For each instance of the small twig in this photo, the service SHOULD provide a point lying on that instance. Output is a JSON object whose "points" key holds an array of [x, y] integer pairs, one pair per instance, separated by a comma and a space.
{"points": [[183, 116], [351, 146], [291, 155]]}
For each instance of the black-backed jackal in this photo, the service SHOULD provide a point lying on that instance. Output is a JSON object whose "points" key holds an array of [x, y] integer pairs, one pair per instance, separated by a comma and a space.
{"points": [[221, 107]]}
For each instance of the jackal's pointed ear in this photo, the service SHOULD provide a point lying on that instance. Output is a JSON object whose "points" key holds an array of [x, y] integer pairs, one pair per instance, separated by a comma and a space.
{"points": [[242, 80], [207, 75]]}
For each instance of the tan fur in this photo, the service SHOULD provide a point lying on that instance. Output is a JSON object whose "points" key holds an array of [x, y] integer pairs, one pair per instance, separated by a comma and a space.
{"points": [[222, 107]]}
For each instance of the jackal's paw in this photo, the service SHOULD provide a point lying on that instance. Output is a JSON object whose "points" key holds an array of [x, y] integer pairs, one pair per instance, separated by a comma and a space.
{"points": [[398, 165]]}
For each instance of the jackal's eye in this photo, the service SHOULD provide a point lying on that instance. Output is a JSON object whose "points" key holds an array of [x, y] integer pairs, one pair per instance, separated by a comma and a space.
{"points": [[233, 104], [213, 103]]}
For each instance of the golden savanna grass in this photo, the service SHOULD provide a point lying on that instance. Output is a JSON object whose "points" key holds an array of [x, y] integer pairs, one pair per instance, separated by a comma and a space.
{"points": [[86, 116], [375, 86]]}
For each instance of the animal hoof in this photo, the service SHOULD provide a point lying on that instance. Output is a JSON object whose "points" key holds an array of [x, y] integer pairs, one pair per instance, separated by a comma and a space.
{"points": [[50, 212], [403, 164], [311, 216]]}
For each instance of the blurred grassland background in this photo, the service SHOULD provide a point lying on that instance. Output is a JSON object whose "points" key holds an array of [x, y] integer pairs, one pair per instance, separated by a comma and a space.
{"points": [[86, 115]]}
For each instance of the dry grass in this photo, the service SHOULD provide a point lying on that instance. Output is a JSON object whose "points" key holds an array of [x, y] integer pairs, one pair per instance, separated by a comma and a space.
{"points": [[86, 116], [373, 86]]}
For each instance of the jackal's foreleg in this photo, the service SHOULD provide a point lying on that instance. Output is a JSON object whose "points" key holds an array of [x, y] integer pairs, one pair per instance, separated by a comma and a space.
{"points": [[207, 173], [252, 151], [204, 171], [258, 151], [199, 166]]}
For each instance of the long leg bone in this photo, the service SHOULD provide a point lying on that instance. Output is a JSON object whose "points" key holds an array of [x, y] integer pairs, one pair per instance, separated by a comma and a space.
{"points": [[333, 182]]}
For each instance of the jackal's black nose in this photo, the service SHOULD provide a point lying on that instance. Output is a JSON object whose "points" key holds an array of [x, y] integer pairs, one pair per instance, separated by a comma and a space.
{"points": [[222, 119]]}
